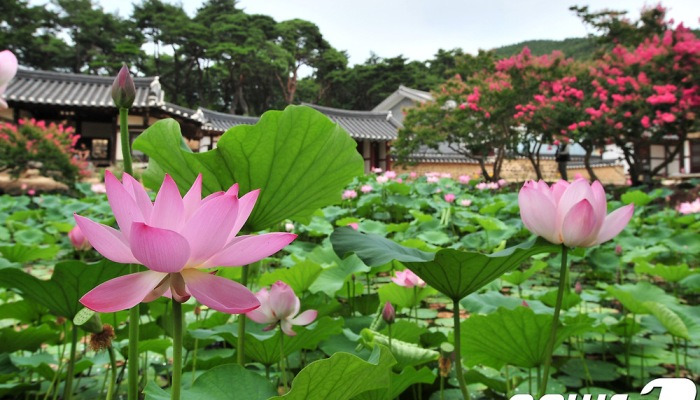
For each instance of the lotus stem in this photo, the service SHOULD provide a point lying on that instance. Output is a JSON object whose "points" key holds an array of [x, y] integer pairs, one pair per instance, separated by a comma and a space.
{"points": [[241, 322], [555, 322], [113, 373], [283, 369], [458, 351], [125, 139], [177, 351], [675, 352], [68, 389]]}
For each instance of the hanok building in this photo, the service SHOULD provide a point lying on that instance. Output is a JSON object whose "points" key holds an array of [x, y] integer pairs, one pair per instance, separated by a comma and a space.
{"points": [[85, 103]]}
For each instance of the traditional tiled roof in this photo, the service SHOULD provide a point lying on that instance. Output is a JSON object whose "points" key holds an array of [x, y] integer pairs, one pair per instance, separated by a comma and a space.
{"points": [[174, 109], [401, 93], [371, 125], [220, 122], [59, 88]]}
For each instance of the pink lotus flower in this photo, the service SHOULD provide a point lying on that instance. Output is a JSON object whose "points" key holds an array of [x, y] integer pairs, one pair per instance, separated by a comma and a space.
{"points": [[366, 188], [573, 214], [407, 278], [464, 179], [354, 225], [78, 240], [377, 170], [689, 207], [289, 227], [8, 70], [433, 179], [465, 203], [382, 179], [502, 182], [175, 238], [98, 188], [413, 175], [349, 194], [450, 198], [390, 174], [618, 249], [280, 305]]}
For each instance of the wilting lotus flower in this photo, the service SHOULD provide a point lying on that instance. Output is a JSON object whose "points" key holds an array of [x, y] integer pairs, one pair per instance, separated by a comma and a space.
{"points": [[175, 238], [78, 240], [407, 278], [8, 70], [280, 305], [573, 214]]}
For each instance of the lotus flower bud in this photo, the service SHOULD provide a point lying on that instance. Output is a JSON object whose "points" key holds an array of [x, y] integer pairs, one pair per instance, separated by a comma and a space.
{"points": [[388, 313], [123, 89], [8, 69], [525, 304], [578, 288], [78, 240], [618, 249]]}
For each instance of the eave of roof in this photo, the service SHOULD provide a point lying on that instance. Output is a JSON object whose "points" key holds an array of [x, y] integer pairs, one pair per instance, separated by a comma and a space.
{"points": [[60, 88], [369, 125], [401, 93]]}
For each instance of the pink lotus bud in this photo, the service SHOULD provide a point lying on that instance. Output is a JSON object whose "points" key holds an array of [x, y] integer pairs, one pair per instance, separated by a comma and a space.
{"points": [[573, 214], [578, 288], [289, 227], [8, 70], [388, 313], [123, 89], [354, 225], [78, 240], [525, 304], [31, 192], [413, 175], [618, 249], [450, 198]]}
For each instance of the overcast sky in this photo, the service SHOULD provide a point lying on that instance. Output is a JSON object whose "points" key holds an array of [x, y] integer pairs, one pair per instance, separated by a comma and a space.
{"points": [[418, 28]]}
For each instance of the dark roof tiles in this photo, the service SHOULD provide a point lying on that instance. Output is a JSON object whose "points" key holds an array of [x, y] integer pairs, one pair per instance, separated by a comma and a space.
{"points": [[46, 87]]}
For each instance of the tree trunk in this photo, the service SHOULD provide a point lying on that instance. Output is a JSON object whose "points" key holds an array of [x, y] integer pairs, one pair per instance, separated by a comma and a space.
{"points": [[497, 163], [587, 161], [482, 165], [632, 162]]}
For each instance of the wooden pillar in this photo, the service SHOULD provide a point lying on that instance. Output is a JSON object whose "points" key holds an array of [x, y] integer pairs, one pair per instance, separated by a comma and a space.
{"points": [[388, 156]]}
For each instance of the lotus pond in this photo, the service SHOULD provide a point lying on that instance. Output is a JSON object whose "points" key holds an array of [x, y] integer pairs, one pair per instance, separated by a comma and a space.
{"points": [[631, 313]]}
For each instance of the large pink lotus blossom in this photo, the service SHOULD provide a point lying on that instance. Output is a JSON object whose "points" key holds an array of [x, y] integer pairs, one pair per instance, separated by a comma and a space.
{"points": [[573, 214], [175, 238], [280, 305], [8, 70], [407, 278]]}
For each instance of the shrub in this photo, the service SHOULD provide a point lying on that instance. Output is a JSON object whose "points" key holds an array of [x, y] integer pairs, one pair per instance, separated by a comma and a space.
{"points": [[33, 144]]}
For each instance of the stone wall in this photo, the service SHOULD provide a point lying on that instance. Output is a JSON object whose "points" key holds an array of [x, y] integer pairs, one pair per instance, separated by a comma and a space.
{"points": [[519, 170]]}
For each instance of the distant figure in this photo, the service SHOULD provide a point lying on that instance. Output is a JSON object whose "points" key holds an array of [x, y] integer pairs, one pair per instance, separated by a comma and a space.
{"points": [[562, 157], [83, 152]]}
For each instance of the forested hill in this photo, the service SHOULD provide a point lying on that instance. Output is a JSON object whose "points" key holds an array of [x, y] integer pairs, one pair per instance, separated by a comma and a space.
{"points": [[578, 48]]}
